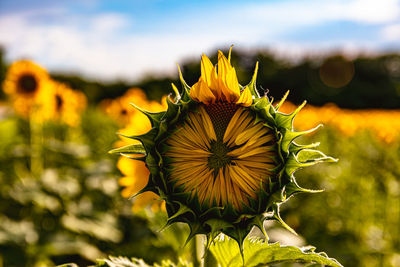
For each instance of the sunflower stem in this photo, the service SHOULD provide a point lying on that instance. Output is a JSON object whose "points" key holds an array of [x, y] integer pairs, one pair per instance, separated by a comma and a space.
{"points": [[201, 256], [196, 254], [36, 139]]}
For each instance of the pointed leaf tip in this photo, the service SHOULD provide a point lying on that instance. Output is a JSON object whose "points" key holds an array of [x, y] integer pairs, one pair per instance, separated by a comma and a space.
{"points": [[282, 100], [176, 91], [252, 83], [129, 149]]}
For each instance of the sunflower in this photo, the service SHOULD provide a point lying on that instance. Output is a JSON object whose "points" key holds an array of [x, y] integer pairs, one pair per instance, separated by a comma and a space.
{"points": [[118, 109], [133, 181], [58, 102], [23, 83], [135, 173], [221, 156]]}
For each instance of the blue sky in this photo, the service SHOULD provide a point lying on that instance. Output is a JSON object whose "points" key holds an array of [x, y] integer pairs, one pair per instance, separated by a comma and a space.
{"points": [[126, 39]]}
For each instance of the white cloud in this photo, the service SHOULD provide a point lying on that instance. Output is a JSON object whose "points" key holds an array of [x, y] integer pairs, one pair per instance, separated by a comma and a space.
{"points": [[307, 12], [391, 32], [106, 45]]}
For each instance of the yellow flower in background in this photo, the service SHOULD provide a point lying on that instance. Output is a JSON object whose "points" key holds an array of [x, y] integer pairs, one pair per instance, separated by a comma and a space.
{"points": [[135, 178], [385, 124], [120, 110], [23, 83], [58, 102], [135, 173]]}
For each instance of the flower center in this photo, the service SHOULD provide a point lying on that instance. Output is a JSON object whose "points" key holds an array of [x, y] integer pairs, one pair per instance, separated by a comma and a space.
{"points": [[59, 102], [220, 114], [27, 84], [219, 157]]}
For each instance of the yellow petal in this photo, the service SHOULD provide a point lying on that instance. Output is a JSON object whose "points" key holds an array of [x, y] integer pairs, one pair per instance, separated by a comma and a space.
{"points": [[200, 92], [245, 99], [208, 72], [227, 80]]}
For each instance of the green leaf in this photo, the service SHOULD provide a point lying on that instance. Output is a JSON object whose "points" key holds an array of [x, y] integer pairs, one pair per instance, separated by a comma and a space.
{"points": [[134, 262], [259, 253]]}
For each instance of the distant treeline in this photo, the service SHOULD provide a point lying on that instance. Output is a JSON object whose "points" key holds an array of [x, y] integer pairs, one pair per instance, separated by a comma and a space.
{"points": [[364, 82]]}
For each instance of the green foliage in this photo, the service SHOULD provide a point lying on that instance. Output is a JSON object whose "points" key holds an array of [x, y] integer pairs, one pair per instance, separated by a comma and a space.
{"points": [[358, 213], [226, 253], [125, 262], [259, 253], [73, 210]]}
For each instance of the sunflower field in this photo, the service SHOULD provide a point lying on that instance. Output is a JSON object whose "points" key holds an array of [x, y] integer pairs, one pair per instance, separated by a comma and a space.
{"points": [[65, 200]]}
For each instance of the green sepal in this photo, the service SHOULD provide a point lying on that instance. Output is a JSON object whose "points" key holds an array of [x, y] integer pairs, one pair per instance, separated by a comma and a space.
{"points": [[258, 221], [277, 217], [216, 227], [286, 120], [239, 235], [289, 136], [252, 84], [145, 189], [154, 117], [214, 212], [305, 158], [150, 187], [173, 112], [195, 229], [181, 210], [176, 91], [186, 88], [147, 139], [292, 164], [311, 155], [282, 101], [262, 108], [293, 188], [295, 148], [129, 149]]}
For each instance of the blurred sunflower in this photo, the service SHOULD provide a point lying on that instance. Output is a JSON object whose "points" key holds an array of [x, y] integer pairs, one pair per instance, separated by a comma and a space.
{"points": [[58, 102], [119, 109], [135, 178], [23, 83], [135, 173]]}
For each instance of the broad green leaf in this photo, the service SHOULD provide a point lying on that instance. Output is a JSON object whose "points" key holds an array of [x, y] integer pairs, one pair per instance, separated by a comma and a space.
{"points": [[134, 262], [259, 253]]}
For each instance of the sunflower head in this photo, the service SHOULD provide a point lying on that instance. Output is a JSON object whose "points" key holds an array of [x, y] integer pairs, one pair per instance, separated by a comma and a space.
{"points": [[23, 83], [119, 108], [59, 103], [221, 156]]}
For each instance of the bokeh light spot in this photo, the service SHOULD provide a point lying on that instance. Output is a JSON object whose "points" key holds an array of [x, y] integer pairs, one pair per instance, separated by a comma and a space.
{"points": [[336, 72]]}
